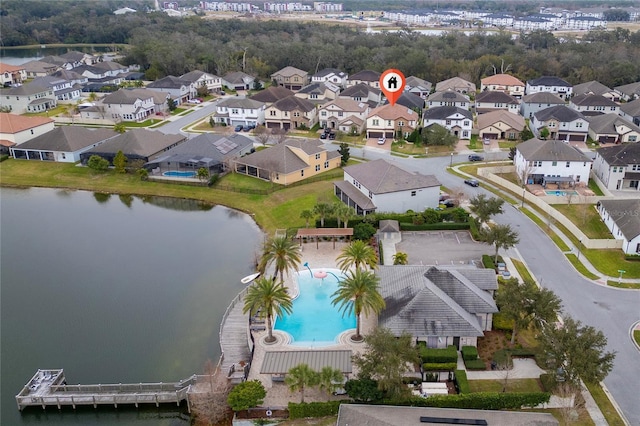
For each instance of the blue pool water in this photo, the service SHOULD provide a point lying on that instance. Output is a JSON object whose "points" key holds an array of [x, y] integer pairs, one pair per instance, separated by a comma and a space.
{"points": [[175, 173], [314, 321], [560, 192]]}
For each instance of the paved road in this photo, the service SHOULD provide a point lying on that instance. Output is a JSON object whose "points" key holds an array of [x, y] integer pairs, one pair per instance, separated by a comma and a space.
{"points": [[199, 112]]}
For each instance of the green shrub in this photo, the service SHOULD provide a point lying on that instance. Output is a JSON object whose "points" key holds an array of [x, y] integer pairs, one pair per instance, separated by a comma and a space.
{"points": [[631, 257], [475, 233], [314, 409], [429, 355], [479, 400], [439, 366], [434, 226], [246, 395], [475, 364], [418, 219], [469, 353], [502, 323], [431, 216], [462, 382], [3, 157], [487, 262], [548, 382], [363, 231]]}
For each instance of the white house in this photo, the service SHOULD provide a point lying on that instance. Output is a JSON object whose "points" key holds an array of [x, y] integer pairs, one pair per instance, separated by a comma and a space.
{"points": [[550, 84], [596, 88], [235, 111], [551, 161], [123, 105], [503, 83], [618, 167], [448, 98], [16, 129], [331, 75], [458, 121], [628, 92], [63, 89], [488, 101], [418, 86], [343, 114], [369, 77], [12, 74], [379, 186], [212, 82], [563, 123], [589, 104], [623, 220], [176, 88], [537, 102], [28, 98], [362, 93], [631, 111]]}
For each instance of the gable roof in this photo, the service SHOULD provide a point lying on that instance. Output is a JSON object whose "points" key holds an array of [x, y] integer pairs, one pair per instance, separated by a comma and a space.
{"points": [[244, 103], [561, 113], [290, 71], [441, 113], [328, 71], [447, 96], [592, 86], [502, 79], [69, 75], [68, 138], [548, 81], [169, 82], [620, 155], [466, 294], [13, 123], [140, 142], [588, 99], [109, 66], [394, 112], [237, 77], [542, 98], [455, 83], [514, 121], [496, 96], [410, 100], [25, 90], [127, 96], [206, 149], [416, 82], [607, 123], [631, 108], [625, 215], [361, 90], [293, 102], [195, 75], [39, 67], [550, 150], [319, 88], [272, 94], [347, 104], [381, 177], [365, 75], [630, 90], [10, 68]]}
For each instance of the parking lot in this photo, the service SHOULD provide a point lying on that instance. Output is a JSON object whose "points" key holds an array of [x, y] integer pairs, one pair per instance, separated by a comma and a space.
{"points": [[441, 247]]}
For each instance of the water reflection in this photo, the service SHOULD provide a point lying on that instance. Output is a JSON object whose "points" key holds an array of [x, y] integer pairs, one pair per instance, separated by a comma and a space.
{"points": [[127, 199], [179, 204], [101, 197]]}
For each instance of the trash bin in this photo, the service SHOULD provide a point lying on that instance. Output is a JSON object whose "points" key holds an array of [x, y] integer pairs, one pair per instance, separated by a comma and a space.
{"points": [[493, 365]]}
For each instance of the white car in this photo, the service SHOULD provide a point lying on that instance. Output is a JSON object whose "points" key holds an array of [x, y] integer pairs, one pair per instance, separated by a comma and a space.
{"points": [[195, 101], [381, 141]]}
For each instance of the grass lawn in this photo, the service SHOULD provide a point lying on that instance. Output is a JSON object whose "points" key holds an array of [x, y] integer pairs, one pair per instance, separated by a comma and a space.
{"points": [[595, 188], [507, 144], [610, 261], [146, 123], [580, 267], [408, 148], [522, 270], [511, 177], [554, 237], [320, 421], [513, 385], [585, 217], [607, 408], [60, 109], [614, 283]]}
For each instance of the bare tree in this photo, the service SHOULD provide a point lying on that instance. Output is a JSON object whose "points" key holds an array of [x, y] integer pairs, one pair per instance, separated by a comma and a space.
{"points": [[280, 135], [583, 206], [502, 68], [209, 405], [262, 134], [569, 195]]}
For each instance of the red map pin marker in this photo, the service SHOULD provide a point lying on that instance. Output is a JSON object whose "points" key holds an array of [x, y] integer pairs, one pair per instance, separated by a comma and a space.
{"points": [[392, 84]]}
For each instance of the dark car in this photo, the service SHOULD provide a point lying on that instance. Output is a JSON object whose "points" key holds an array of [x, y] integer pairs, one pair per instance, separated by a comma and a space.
{"points": [[332, 135], [472, 182], [327, 130], [476, 157], [449, 203], [238, 128], [246, 128], [323, 136]]}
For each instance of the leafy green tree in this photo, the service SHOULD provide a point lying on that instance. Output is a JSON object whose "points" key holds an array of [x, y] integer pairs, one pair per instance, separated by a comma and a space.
{"points": [[267, 298], [577, 349], [484, 207], [281, 252], [526, 134], [527, 305], [119, 128], [329, 379], [323, 210], [246, 395], [385, 360], [120, 162], [358, 253], [358, 292], [212, 122], [363, 390], [400, 258], [300, 377], [143, 173], [502, 237], [98, 163], [363, 231], [344, 154], [544, 133], [438, 135], [202, 174], [172, 104], [306, 215]]}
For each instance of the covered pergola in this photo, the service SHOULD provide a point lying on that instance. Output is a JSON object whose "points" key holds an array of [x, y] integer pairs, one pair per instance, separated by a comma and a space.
{"points": [[278, 363], [318, 233]]}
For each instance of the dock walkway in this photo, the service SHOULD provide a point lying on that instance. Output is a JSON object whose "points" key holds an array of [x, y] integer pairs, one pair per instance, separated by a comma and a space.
{"points": [[235, 343]]}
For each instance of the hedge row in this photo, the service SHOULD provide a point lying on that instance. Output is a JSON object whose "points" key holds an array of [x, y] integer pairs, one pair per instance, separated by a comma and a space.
{"points": [[434, 226], [429, 355], [475, 364], [314, 409], [461, 380], [469, 353], [439, 366], [475, 232], [487, 262], [480, 400], [633, 257]]}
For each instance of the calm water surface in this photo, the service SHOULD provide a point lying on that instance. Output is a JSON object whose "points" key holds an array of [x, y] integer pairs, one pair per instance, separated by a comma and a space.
{"points": [[113, 289]]}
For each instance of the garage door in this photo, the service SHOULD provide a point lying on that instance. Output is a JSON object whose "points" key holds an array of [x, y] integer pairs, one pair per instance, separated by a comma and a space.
{"points": [[607, 139], [576, 138], [375, 134], [490, 135], [273, 125]]}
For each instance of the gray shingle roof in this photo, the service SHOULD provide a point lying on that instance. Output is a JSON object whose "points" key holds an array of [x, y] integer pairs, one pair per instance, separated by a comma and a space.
{"points": [[631, 90], [542, 98], [631, 108], [169, 82], [280, 362], [244, 103], [25, 90], [68, 139], [621, 155], [561, 113], [127, 96], [548, 81], [410, 100], [606, 123], [492, 96], [272, 94], [550, 150], [193, 76], [447, 96], [416, 82], [365, 75], [592, 100], [462, 290], [237, 77], [441, 113], [139, 142], [359, 90], [625, 214], [206, 147], [381, 177], [291, 103], [592, 86], [325, 72], [355, 195]]}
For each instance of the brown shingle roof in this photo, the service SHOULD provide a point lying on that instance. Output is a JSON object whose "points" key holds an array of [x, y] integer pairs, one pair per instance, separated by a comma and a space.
{"points": [[506, 79], [394, 112], [12, 123], [272, 94], [514, 121]]}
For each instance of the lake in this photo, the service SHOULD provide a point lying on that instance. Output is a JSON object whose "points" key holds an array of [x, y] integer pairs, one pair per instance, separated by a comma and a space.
{"points": [[21, 56], [114, 289]]}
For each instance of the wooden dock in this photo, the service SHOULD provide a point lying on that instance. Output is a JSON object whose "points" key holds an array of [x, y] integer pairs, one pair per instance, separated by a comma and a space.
{"points": [[235, 344], [49, 388]]}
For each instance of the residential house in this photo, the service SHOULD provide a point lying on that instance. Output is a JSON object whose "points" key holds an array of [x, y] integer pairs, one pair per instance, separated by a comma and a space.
{"points": [[63, 144], [111, 68], [438, 305], [363, 93], [272, 94], [537, 102], [80, 58], [101, 76], [563, 123], [331, 75], [124, 105], [458, 121], [319, 92], [391, 120], [290, 113], [136, 144], [500, 124], [551, 161], [457, 84], [628, 92], [448, 98], [623, 220], [418, 86], [71, 76], [16, 129], [12, 74], [550, 84], [198, 79], [290, 77], [60, 62], [368, 77], [63, 89], [631, 111], [488, 101], [618, 167], [288, 162], [39, 68], [596, 88], [611, 128], [503, 83], [589, 104], [27, 98], [379, 186], [214, 152], [346, 115], [238, 81], [411, 101], [177, 89], [235, 111]]}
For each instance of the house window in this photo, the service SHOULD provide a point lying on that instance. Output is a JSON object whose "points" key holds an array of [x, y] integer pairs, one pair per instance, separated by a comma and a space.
{"points": [[296, 114], [552, 124], [375, 122], [466, 123], [388, 122], [578, 124], [633, 138], [326, 164], [400, 123], [272, 113], [370, 194], [448, 122], [317, 167], [317, 156], [635, 167], [568, 164], [235, 111], [286, 113], [554, 163], [340, 113], [31, 131], [413, 193], [301, 172]]}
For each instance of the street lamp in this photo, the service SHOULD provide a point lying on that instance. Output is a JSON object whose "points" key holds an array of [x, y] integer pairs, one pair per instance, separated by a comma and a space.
{"points": [[621, 271], [451, 160], [579, 245]]}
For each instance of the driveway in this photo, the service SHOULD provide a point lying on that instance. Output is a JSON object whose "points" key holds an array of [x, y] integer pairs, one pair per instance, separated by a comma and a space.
{"points": [[441, 247]]}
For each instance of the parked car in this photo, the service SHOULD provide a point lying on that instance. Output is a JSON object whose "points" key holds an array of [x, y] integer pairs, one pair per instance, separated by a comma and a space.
{"points": [[222, 92], [486, 141], [476, 157], [323, 136], [381, 141], [449, 203], [332, 135], [327, 130], [472, 182], [238, 127], [194, 101], [246, 128]]}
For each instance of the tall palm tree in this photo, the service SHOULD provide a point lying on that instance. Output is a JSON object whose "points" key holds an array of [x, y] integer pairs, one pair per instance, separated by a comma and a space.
{"points": [[329, 379], [358, 253], [299, 377], [306, 215], [267, 298], [359, 291], [343, 212], [283, 253], [323, 210]]}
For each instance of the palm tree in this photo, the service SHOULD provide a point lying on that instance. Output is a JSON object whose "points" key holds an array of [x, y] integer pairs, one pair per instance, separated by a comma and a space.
{"points": [[266, 298], [329, 379], [323, 210], [300, 376], [359, 291], [306, 215], [343, 212], [400, 258], [283, 253], [357, 253], [501, 236]]}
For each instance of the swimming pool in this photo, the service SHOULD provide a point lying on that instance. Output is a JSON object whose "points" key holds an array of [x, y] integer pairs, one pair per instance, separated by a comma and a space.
{"points": [[560, 192], [175, 173], [314, 321]]}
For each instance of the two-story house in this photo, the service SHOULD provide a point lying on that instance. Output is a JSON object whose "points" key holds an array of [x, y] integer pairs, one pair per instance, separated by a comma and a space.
{"points": [[272, 94], [623, 220], [63, 89], [27, 98], [243, 111], [589, 104], [563, 123], [596, 88], [290, 113], [12, 74], [550, 84], [379, 186], [503, 83], [500, 124], [448, 98], [71, 76], [123, 105], [389, 121], [36, 68], [537, 102], [631, 111], [346, 115], [363, 93], [551, 161], [331, 75], [618, 167], [611, 128], [368, 77], [291, 77], [457, 84], [458, 121], [238, 80], [176, 88], [319, 92], [16, 129], [628, 92], [198, 79], [418, 86], [488, 101]]}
